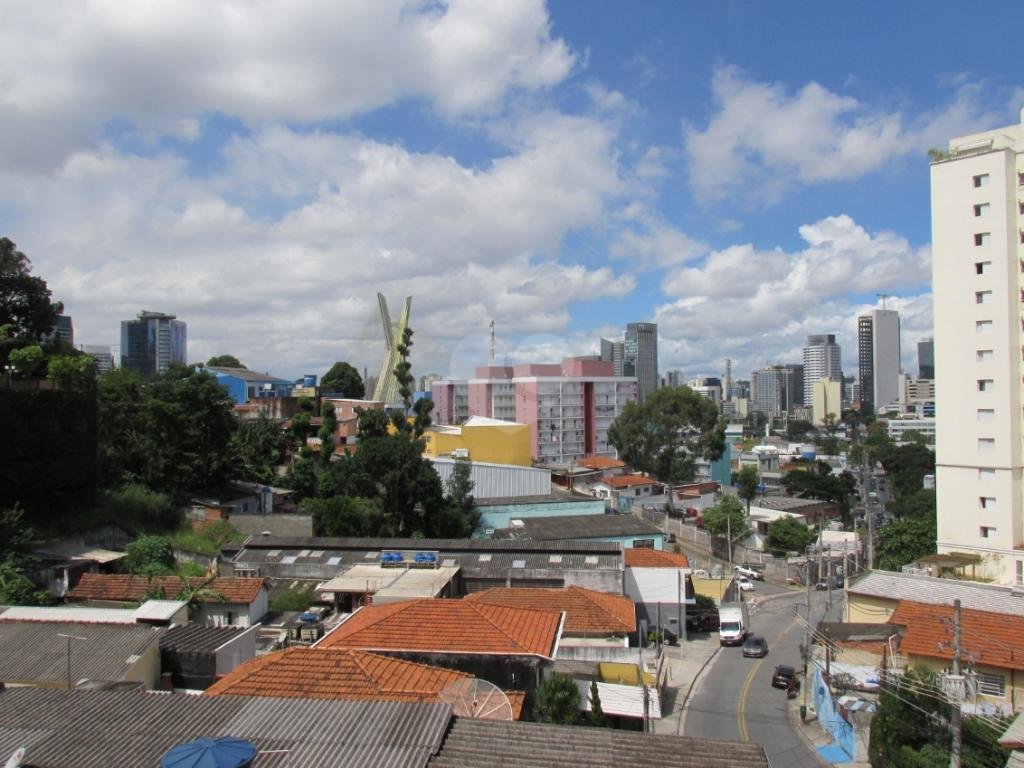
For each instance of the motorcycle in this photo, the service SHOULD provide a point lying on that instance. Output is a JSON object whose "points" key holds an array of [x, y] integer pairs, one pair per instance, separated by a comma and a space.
{"points": [[792, 689]]}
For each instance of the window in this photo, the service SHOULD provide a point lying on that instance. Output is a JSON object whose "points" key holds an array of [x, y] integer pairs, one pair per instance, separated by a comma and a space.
{"points": [[982, 267], [983, 297], [643, 543], [229, 618], [986, 414], [518, 563], [987, 502], [984, 356], [1020, 573], [991, 685], [986, 473], [983, 326], [981, 209], [982, 238], [986, 385], [986, 443], [981, 180], [987, 531]]}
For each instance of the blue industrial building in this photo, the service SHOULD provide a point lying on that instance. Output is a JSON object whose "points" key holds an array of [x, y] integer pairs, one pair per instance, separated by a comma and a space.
{"points": [[244, 385]]}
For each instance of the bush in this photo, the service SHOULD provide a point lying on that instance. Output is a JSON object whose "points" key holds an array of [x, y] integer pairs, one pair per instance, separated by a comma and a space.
{"points": [[149, 556], [558, 701], [207, 541], [296, 599], [137, 508]]}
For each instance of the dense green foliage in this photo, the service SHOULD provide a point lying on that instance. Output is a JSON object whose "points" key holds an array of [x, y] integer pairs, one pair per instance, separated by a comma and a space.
{"points": [[596, 716], [667, 433], [787, 534], [225, 361], [344, 378], [297, 598], [558, 701], [25, 305], [17, 560], [149, 556], [899, 543], [135, 507], [171, 433], [258, 447], [748, 480], [206, 541], [72, 370], [911, 728], [798, 429], [727, 518], [818, 482]]}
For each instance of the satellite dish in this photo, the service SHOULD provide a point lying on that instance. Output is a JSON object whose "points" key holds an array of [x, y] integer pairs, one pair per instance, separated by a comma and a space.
{"points": [[15, 760], [477, 699]]}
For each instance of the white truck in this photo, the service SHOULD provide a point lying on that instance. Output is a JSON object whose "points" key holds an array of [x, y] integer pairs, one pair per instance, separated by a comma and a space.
{"points": [[733, 623]]}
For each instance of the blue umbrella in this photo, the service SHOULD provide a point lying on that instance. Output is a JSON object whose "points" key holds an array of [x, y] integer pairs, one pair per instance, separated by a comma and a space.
{"points": [[223, 752]]}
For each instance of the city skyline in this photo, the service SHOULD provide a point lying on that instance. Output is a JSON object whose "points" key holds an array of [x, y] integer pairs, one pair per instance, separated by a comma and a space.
{"points": [[558, 171]]}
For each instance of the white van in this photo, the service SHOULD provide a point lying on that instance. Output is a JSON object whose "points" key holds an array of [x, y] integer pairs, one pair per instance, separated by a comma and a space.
{"points": [[733, 623]]}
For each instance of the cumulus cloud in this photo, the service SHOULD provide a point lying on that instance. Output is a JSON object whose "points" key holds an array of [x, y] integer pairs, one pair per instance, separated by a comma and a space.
{"points": [[68, 69], [647, 241], [725, 306], [765, 138]]}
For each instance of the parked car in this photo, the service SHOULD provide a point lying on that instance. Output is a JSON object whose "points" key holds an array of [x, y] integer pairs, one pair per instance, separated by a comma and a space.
{"points": [[757, 568], [669, 636], [755, 647], [745, 584], [782, 675], [749, 573], [822, 585], [702, 622]]}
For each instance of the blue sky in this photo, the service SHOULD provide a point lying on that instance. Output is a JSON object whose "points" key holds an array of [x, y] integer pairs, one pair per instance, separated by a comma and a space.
{"points": [[742, 173]]}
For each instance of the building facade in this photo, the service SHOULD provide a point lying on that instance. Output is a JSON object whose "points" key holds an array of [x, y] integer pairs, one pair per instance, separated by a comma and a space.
{"points": [[775, 389], [878, 348], [102, 355], [826, 400], [977, 196], [152, 342], [926, 358], [613, 352], [823, 359], [640, 357]]}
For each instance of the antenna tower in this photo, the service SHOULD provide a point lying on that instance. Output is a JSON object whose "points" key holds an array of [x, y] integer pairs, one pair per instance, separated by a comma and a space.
{"points": [[883, 297], [492, 342]]}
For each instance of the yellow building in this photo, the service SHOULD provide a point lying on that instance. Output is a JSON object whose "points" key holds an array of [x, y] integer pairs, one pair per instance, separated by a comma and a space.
{"points": [[827, 399], [481, 439]]}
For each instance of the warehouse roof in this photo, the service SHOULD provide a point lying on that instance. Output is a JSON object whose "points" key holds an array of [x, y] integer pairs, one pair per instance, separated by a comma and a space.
{"points": [[578, 527], [93, 729], [472, 743]]}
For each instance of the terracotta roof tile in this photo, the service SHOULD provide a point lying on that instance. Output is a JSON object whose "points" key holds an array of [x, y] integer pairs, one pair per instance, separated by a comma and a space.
{"points": [[600, 462], [127, 588], [993, 639], [585, 609], [638, 557], [628, 481], [335, 673], [448, 626]]}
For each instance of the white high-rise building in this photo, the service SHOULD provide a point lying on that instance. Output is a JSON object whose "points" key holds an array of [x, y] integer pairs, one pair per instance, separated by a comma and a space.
{"points": [[823, 359], [978, 294], [878, 348]]}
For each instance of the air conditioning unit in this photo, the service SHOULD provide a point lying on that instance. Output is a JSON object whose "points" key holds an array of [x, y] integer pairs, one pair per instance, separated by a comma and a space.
{"points": [[460, 453]]}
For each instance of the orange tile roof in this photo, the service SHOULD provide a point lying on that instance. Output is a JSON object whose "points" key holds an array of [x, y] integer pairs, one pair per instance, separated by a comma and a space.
{"points": [[335, 673], [448, 626], [628, 481], [586, 611], [992, 639], [601, 462], [126, 588], [638, 557]]}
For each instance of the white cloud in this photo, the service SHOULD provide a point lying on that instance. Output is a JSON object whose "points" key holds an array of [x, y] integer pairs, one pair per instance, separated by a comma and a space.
{"points": [[70, 68], [647, 241], [764, 138], [725, 306]]}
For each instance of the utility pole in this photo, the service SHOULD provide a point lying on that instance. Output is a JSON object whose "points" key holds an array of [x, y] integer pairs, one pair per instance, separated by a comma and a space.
{"points": [[807, 624], [954, 754]]}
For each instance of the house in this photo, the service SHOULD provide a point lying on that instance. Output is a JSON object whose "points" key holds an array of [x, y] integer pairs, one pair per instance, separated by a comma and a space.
{"points": [[506, 646], [697, 496], [767, 509], [244, 385], [62, 563], [399, 578], [657, 581], [623, 490], [344, 673], [52, 653], [95, 729], [226, 600], [628, 530], [193, 656], [591, 618], [993, 651]]}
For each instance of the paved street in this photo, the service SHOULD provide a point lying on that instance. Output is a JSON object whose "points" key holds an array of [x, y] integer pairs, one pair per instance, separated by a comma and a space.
{"points": [[735, 700]]}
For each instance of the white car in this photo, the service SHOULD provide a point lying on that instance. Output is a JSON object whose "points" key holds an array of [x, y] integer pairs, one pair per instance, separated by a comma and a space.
{"points": [[745, 584], [747, 573]]}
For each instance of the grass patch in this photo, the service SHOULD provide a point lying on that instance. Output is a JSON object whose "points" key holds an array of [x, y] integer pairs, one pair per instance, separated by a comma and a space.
{"points": [[208, 541]]}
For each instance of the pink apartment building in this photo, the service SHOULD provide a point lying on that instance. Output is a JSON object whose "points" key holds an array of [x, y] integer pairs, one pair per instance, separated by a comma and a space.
{"points": [[569, 405]]}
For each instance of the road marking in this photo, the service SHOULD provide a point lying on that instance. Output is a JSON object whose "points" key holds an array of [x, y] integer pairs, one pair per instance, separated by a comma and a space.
{"points": [[741, 705]]}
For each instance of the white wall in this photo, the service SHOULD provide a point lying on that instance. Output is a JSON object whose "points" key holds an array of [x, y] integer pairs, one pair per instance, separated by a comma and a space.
{"points": [[655, 585]]}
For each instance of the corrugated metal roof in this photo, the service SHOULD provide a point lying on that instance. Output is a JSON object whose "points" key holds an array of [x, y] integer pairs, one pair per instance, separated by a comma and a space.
{"points": [[579, 527], [35, 652], [928, 589], [445, 545], [86, 729], [189, 638]]}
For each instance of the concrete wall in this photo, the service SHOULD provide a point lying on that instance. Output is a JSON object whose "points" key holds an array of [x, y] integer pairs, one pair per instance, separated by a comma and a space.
{"points": [[869, 609], [499, 481], [216, 614]]}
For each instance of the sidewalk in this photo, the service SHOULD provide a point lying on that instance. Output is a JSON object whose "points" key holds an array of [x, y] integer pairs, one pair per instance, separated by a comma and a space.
{"points": [[683, 676], [821, 742]]}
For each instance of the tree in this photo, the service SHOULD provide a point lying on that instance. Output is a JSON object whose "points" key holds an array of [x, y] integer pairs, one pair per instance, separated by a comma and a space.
{"points": [[301, 477], [16, 539], [137, 508], [17, 589], [748, 483], [329, 423], [727, 518], [344, 378], [828, 441], [597, 718], [172, 432], [898, 544], [258, 447], [26, 360], [798, 429], [197, 593], [345, 516], [72, 370], [459, 489], [149, 556], [224, 361], [25, 304], [907, 465], [558, 701], [787, 534], [818, 482], [918, 504], [666, 434]]}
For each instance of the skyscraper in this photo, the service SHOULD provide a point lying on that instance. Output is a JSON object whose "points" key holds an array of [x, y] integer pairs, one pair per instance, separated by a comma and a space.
{"points": [[977, 220], [823, 359], [152, 342], [640, 357], [773, 389], [878, 349], [926, 358], [612, 352]]}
